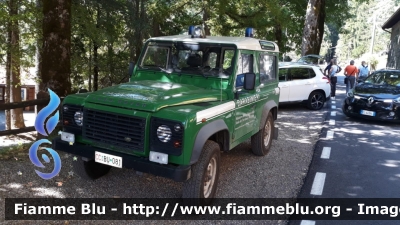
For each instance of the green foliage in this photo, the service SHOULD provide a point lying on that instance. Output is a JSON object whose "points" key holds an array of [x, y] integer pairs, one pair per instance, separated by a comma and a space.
{"points": [[357, 34]]}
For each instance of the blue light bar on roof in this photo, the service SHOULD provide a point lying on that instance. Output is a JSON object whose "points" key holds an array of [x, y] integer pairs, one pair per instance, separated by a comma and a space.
{"points": [[191, 30], [249, 32]]}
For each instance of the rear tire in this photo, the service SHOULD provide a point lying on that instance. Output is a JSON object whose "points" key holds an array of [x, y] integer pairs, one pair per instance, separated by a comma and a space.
{"points": [[89, 170], [262, 140], [200, 189], [316, 100]]}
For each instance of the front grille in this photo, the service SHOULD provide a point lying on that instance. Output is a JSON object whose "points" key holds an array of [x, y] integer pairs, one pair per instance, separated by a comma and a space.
{"points": [[125, 133], [376, 104]]}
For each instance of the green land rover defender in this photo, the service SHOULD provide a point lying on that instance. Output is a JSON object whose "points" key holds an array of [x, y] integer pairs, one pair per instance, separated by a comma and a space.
{"points": [[189, 97]]}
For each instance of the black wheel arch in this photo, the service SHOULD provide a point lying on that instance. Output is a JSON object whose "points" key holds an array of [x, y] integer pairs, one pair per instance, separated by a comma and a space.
{"points": [[217, 131], [269, 106]]}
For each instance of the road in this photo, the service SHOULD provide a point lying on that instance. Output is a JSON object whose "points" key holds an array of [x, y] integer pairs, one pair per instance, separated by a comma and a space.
{"points": [[354, 158]]}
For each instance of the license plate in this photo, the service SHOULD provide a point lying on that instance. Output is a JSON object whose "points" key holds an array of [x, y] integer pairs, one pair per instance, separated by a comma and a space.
{"points": [[110, 160], [68, 137], [367, 113]]}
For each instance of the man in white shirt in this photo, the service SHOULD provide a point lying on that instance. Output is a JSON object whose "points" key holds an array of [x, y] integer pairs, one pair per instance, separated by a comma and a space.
{"points": [[363, 72]]}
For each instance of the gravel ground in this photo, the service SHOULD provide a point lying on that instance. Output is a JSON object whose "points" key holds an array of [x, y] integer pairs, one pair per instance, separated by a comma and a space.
{"points": [[280, 174]]}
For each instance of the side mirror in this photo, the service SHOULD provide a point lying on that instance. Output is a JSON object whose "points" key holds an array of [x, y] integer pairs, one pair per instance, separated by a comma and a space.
{"points": [[82, 91], [249, 81], [131, 68]]}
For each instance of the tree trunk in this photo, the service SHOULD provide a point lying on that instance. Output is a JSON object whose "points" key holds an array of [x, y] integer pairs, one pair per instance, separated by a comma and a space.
{"points": [[95, 56], [8, 77], [56, 64], [279, 37], [38, 54], [96, 66], [90, 67], [205, 18], [314, 27], [17, 115]]}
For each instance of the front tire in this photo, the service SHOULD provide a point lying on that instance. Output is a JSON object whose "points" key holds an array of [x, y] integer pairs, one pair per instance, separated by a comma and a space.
{"points": [[200, 189], [261, 141], [89, 170], [345, 110], [316, 100]]}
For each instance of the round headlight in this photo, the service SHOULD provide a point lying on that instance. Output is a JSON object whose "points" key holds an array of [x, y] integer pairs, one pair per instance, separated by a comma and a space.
{"points": [[164, 133], [178, 128], [78, 117]]}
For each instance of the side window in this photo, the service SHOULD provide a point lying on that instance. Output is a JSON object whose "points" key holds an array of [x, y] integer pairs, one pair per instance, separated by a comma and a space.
{"points": [[299, 73], [212, 60], [312, 73], [283, 74], [267, 68], [245, 65], [228, 59]]}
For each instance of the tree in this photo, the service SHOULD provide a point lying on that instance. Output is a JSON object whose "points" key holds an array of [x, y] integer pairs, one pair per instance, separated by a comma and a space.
{"points": [[313, 27], [56, 63], [17, 116]]}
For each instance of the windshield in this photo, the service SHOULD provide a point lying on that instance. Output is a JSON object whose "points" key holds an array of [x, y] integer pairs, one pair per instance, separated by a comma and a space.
{"points": [[189, 58], [384, 78]]}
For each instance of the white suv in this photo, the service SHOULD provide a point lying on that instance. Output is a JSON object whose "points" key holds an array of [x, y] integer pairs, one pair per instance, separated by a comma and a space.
{"points": [[304, 83]]}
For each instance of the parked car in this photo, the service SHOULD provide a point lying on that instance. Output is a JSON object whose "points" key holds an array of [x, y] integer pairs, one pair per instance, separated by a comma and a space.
{"points": [[304, 83], [378, 97], [306, 60]]}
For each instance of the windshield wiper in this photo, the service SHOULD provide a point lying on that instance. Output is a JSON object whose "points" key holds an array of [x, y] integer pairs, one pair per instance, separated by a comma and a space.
{"points": [[166, 70]]}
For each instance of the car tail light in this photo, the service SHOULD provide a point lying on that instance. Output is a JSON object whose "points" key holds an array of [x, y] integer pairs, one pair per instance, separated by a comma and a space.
{"points": [[325, 78]]}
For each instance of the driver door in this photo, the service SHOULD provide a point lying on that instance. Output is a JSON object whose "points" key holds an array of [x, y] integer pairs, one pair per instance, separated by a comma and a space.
{"points": [[245, 104]]}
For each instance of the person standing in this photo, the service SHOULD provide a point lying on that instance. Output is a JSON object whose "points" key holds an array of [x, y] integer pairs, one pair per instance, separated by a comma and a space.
{"points": [[350, 72], [363, 72], [333, 79], [327, 68]]}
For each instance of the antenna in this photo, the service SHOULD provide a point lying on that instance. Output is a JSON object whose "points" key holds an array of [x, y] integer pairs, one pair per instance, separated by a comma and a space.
{"points": [[221, 90]]}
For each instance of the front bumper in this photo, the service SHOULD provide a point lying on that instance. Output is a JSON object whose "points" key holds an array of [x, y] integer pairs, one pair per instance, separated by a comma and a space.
{"points": [[176, 173], [381, 109]]}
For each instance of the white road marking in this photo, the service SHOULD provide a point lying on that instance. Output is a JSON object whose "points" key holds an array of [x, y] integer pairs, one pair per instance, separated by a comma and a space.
{"points": [[318, 185], [333, 102], [332, 122], [307, 222], [326, 153], [334, 107], [329, 134], [333, 113]]}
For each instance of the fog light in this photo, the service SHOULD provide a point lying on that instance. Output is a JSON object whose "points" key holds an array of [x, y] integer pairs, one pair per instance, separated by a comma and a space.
{"points": [[65, 122], [391, 114], [158, 157], [350, 108]]}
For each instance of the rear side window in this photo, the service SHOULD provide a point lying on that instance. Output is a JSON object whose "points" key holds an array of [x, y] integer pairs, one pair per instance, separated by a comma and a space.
{"points": [[299, 73], [267, 68], [311, 73], [283, 74]]}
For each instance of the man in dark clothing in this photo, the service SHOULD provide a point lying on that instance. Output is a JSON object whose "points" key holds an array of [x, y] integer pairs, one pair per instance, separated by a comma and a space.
{"points": [[328, 68]]}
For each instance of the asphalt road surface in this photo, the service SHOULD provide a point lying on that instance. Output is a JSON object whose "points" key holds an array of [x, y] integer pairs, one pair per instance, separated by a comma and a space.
{"points": [[354, 158]]}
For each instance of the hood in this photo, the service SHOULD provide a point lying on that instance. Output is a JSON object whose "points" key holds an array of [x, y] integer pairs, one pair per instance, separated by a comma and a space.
{"points": [[153, 95], [379, 91]]}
